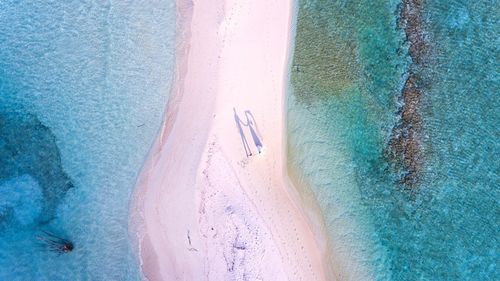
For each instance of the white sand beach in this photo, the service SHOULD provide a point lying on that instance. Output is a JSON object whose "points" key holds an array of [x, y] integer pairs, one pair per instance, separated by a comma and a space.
{"points": [[203, 209]]}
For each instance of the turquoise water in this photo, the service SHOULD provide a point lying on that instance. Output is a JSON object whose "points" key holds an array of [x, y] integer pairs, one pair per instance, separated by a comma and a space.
{"points": [[83, 87], [349, 68]]}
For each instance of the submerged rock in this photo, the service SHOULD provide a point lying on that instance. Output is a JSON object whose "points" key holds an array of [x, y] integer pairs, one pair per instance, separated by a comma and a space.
{"points": [[406, 149]]}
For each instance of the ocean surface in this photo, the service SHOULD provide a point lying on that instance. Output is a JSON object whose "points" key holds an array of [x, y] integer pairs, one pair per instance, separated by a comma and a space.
{"points": [[83, 88], [408, 184]]}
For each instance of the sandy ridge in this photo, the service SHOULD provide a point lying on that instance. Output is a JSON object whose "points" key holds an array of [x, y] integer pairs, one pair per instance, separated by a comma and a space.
{"points": [[203, 209]]}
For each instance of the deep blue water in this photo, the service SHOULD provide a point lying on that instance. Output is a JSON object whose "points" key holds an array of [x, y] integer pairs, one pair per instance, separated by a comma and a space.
{"points": [[350, 64], [83, 87]]}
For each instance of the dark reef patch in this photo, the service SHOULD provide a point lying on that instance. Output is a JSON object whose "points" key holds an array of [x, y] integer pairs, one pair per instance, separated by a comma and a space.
{"points": [[27, 147], [412, 21], [405, 144]]}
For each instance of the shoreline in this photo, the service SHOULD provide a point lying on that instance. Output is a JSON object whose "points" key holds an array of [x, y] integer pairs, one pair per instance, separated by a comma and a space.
{"points": [[227, 206]]}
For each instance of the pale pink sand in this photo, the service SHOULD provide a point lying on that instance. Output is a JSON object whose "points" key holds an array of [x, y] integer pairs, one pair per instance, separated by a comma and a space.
{"points": [[203, 210]]}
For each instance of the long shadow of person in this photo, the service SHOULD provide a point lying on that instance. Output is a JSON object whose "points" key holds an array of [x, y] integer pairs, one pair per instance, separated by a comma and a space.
{"points": [[238, 121], [254, 130]]}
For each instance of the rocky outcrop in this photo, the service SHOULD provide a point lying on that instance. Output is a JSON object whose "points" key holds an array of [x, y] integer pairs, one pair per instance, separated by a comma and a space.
{"points": [[405, 144]]}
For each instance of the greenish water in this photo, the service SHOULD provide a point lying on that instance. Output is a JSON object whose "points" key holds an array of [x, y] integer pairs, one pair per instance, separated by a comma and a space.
{"points": [[349, 67]]}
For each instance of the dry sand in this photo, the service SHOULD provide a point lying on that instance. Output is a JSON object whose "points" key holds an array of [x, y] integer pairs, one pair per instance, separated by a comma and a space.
{"points": [[202, 209]]}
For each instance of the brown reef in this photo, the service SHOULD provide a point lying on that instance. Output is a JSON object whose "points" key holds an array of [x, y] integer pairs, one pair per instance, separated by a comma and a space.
{"points": [[412, 21], [405, 144]]}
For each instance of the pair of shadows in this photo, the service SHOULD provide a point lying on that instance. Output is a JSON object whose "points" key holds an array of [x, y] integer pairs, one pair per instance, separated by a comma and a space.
{"points": [[251, 124]]}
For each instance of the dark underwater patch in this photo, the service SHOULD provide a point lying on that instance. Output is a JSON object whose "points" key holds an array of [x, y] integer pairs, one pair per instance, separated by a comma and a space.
{"points": [[406, 140], [27, 147]]}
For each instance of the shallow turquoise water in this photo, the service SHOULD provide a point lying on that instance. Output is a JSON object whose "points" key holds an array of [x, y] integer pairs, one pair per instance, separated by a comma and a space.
{"points": [[83, 86], [350, 63]]}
